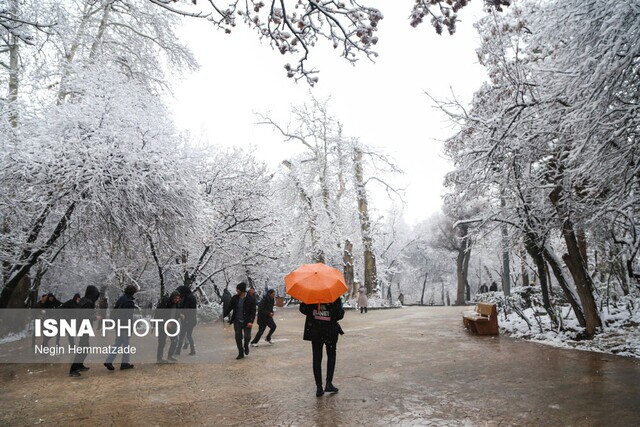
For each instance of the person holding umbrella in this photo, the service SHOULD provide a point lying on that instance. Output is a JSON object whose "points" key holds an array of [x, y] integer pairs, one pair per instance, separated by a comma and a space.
{"points": [[321, 327], [319, 288]]}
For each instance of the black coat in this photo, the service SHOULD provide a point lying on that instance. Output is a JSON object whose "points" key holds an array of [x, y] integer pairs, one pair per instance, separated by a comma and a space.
{"points": [[249, 309], [88, 302], [71, 303], [322, 325], [124, 307], [188, 305], [226, 298], [265, 308], [167, 310]]}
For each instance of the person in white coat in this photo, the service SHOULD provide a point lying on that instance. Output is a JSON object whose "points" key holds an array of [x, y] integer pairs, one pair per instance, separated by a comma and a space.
{"points": [[363, 302]]}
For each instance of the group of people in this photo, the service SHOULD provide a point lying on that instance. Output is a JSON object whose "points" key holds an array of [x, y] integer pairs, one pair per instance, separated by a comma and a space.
{"points": [[47, 303], [483, 289], [241, 310], [180, 305], [321, 327]]}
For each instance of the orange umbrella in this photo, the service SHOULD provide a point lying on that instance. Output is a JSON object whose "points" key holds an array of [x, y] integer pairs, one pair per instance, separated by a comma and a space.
{"points": [[315, 284]]}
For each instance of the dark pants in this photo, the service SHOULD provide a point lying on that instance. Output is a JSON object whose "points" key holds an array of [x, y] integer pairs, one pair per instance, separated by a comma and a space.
{"points": [[317, 361], [186, 331], [272, 327], [78, 360], [363, 310], [162, 339], [240, 331]]}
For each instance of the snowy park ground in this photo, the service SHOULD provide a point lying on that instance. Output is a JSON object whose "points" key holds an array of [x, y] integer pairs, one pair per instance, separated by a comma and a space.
{"points": [[408, 366], [620, 332]]}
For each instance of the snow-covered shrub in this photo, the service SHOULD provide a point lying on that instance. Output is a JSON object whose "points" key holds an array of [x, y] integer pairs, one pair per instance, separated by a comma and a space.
{"points": [[209, 313]]}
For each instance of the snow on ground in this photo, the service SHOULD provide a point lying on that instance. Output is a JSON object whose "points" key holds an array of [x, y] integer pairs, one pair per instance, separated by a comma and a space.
{"points": [[620, 333], [621, 322]]}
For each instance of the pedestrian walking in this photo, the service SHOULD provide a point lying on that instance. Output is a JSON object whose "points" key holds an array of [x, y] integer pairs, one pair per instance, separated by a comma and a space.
{"points": [[321, 327], [244, 312], [189, 319], [86, 303], [226, 298], [74, 302], [167, 310], [123, 314], [265, 317], [363, 301]]}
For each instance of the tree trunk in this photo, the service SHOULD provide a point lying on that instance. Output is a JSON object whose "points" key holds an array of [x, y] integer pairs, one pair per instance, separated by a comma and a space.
{"points": [[584, 285], [581, 236], [158, 266], [30, 258], [462, 279], [563, 281], [523, 267], [541, 266], [424, 286], [317, 252], [577, 266], [370, 270], [506, 269], [347, 266], [462, 265]]}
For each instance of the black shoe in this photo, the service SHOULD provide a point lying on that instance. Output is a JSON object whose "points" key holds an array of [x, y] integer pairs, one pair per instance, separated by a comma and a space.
{"points": [[240, 356], [246, 350], [74, 373], [171, 359], [161, 361], [83, 368], [109, 366], [126, 366], [177, 353], [184, 347], [193, 352], [330, 388], [319, 391]]}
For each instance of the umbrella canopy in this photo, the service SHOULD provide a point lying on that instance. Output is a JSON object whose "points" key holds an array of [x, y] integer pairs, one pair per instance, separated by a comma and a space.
{"points": [[315, 284]]}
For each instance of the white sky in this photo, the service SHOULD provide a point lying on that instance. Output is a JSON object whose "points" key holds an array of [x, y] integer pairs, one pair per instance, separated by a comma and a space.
{"points": [[383, 103]]}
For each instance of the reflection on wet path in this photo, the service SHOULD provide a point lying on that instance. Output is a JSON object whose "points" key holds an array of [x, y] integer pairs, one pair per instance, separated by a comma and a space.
{"points": [[410, 366]]}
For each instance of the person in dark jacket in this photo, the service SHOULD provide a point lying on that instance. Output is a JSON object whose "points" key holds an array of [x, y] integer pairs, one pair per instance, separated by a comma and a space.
{"points": [[86, 303], [52, 301], [167, 309], [123, 313], [244, 313], [48, 303], [265, 317], [226, 298], [74, 302], [321, 327], [188, 316], [42, 302]]}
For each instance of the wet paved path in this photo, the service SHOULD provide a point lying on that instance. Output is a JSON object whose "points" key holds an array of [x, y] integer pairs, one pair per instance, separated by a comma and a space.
{"points": [[409, 366]]}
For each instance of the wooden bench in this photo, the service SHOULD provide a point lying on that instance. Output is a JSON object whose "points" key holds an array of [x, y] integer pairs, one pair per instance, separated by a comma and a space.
{"points": [[483, 320]]}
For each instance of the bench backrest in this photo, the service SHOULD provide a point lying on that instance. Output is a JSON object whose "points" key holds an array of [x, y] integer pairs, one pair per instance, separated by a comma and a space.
{"points": [[485, 309]]}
